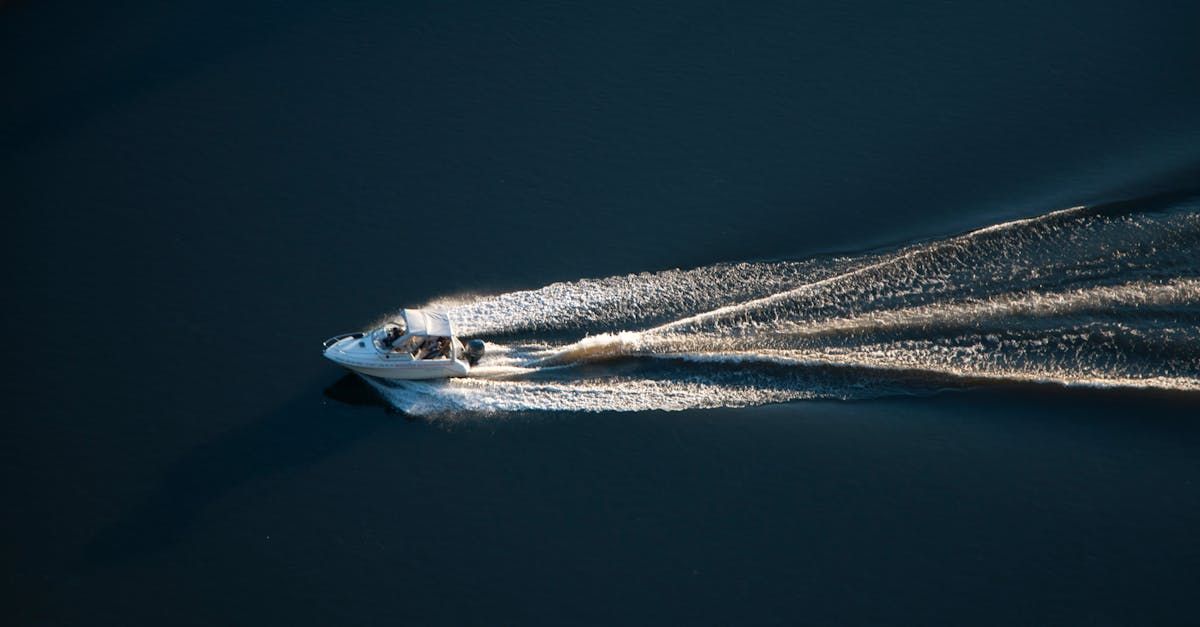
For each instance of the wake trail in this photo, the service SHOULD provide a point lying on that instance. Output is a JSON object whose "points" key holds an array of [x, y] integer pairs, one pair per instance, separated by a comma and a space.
{"points": [[1078, 297]]}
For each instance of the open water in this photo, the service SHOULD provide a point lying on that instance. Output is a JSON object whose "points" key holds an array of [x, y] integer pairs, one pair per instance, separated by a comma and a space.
{"points": [[797, 313]]}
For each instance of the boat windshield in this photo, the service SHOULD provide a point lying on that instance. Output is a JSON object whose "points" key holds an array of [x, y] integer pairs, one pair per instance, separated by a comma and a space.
{"points": [[386, 336]]}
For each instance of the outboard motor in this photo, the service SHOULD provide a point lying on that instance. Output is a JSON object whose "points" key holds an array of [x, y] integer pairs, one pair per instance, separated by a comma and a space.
{"points": [[474, 351]]}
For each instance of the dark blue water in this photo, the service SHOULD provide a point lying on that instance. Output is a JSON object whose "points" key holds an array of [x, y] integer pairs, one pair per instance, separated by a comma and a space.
{"points": [[199, 192]]}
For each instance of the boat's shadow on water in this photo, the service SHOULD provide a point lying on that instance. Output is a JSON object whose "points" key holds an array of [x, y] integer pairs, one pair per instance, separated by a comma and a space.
{"points": [[352, 390], [294, 436]]}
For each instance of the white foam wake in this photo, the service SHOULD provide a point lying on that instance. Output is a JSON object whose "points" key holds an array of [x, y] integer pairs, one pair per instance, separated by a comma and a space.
{"points": [[1080, 297]]}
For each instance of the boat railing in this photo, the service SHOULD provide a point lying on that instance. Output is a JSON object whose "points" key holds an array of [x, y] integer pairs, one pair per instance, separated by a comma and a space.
{"points": [[337, 338]]}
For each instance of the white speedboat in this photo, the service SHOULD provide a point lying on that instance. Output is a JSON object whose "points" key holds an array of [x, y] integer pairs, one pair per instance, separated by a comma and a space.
{"points": [[419, 344]]}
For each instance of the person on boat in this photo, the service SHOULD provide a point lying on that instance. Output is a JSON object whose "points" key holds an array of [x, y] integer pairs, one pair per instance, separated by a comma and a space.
{"points": [[432, 348], [390, 335]]}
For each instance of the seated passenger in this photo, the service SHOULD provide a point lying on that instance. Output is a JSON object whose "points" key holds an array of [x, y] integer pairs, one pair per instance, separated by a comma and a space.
{"points": [[434, 348], [390, 335], [426, 348]]}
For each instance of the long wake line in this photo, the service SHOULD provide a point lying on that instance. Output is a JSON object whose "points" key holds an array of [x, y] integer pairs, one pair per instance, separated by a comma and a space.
{"points": [[1078, 297]]}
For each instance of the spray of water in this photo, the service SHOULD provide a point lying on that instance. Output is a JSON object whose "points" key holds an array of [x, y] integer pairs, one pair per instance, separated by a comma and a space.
{"points": [[1104, 297]]}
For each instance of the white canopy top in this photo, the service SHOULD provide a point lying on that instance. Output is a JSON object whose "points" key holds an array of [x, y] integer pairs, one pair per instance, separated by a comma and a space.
{"points": [[427, 322]]}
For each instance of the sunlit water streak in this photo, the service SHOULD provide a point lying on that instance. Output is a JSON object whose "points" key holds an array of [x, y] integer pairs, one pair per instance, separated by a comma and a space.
{"points": [[1105, 297]]}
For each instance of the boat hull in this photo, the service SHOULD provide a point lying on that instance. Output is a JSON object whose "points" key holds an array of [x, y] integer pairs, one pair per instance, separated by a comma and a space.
{"points": [[418, 371], [352, 352]]}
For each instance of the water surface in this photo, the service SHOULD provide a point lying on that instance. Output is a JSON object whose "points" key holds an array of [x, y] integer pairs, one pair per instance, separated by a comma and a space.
{"points": [[885, 406]]}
